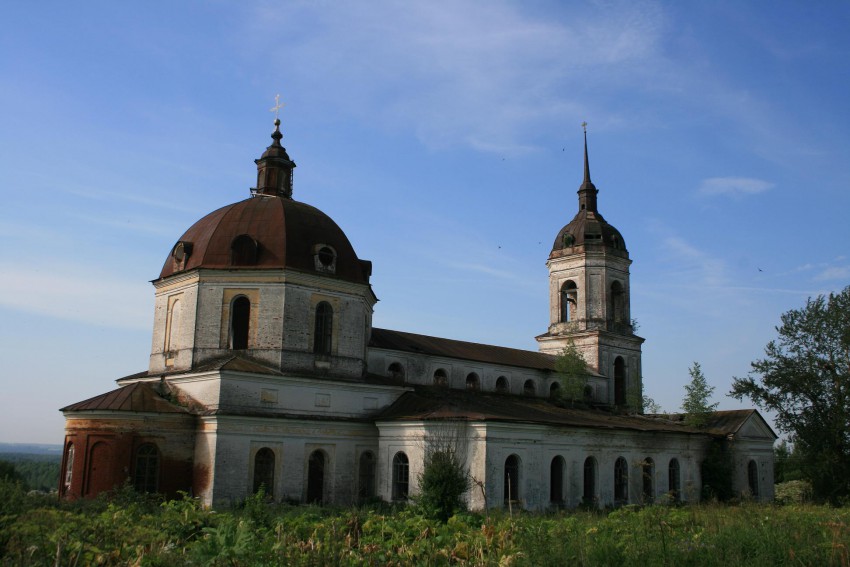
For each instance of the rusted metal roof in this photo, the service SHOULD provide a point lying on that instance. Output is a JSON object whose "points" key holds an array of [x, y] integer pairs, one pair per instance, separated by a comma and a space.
{"points": [[285, 230], [430, 403], [436, 346], [135, 397]]}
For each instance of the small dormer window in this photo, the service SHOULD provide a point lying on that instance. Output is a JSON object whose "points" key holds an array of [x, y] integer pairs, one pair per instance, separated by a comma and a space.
{"points": [[180, 254], [243, 251], [324, 258]]}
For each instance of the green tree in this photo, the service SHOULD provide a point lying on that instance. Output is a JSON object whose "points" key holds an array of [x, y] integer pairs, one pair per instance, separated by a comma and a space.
{"points": [[697, 393], [804, 380], [444, 478], [571, 371]]}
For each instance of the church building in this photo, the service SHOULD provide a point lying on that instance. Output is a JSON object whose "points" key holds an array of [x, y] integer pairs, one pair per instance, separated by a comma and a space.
{"points": [[266, 373]]}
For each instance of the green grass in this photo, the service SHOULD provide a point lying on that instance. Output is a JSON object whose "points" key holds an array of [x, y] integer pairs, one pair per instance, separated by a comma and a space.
{"points": [[133, 530]]}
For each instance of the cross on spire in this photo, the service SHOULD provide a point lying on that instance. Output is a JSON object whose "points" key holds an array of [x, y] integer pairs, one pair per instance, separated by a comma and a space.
{"points": [[277, 106], [584, 127]]}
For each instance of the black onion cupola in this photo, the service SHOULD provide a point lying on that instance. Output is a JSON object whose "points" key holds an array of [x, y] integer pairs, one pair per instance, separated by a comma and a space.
{"points": [[588, 227], [274, 168]]}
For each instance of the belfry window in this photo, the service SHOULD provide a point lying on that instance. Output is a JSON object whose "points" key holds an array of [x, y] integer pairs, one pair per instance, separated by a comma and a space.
{"points": [[569, 301], [618, 303], [401, 476], [146, 476], [323, 335], [264, 472], [240, 322], [619, 381]]}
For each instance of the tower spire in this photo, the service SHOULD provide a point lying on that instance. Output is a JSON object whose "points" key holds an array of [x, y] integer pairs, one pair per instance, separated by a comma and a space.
{"points": [[274, 168], [587, 192]]}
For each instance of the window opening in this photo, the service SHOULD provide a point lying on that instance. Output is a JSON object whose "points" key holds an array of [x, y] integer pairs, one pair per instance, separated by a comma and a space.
{"points": [[240, 322], [554, 389], [264, 472], [323, 336], [511, 488], [528, 388], [243, 251], [472, 382], [440, 378], [556, 480], [502, 385], [396, 371], [753, 477], [648, 475], [366, 477], [618, 303], [621, 481], [569, 301], [673, 479], [619, 381], [316, 477], [589, 493], [146, 477], [401, 472], [69, 465]]}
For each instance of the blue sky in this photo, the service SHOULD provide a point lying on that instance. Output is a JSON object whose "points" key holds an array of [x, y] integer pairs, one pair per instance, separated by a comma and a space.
{"points": [[445, 139]]}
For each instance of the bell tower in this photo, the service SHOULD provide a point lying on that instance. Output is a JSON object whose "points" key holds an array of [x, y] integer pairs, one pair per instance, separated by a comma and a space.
{"points": [[589, 299]]}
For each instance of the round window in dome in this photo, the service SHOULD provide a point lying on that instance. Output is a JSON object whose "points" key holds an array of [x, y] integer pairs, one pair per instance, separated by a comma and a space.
{"points": [[326, 256]]}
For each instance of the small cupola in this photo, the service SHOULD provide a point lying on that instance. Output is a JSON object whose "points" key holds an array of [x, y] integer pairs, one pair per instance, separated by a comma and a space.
{"points": [[274, 168]]}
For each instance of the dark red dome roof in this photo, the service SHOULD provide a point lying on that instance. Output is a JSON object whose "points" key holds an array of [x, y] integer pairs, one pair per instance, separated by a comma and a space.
{"points": [[285, 234], [588, 228]]}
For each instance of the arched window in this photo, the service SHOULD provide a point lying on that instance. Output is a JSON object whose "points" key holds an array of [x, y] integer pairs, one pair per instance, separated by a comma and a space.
{"points": [[556, 480], [396, 371], [554, 390], [146, 474], [323, 335], [366, 476], [648, 476], [621, 481], [673, 482], [264, 472], [753, 478], [619, 381], [589, 493], [528, 388], [401, 475], [569, 301], [618, 303], [440, 378], [502, 385], [240, 322], [511, 489], [472, 381], [243, 251], [316, 477], [69, 465]]}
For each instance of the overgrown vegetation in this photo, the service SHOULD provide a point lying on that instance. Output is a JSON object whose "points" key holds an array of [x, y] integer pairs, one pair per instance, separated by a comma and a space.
{"points": [[804, 381], [571, 371], [444, 478], [131, 529]]}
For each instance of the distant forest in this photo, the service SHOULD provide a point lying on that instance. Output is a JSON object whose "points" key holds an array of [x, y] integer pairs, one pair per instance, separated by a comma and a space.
{"points": [[38, 472]]}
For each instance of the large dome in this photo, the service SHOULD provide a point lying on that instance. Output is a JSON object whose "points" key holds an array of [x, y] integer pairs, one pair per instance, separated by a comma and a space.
{"points": [[267, 232]]}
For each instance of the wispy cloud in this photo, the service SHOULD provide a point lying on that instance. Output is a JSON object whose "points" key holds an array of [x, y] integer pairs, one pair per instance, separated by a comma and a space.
{"points": [[486, 75], [833, 273], [733, 186], [68, 293]]}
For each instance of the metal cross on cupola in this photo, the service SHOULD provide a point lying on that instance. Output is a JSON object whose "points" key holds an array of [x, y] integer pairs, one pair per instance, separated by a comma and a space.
{"points": [[277, 106]]}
